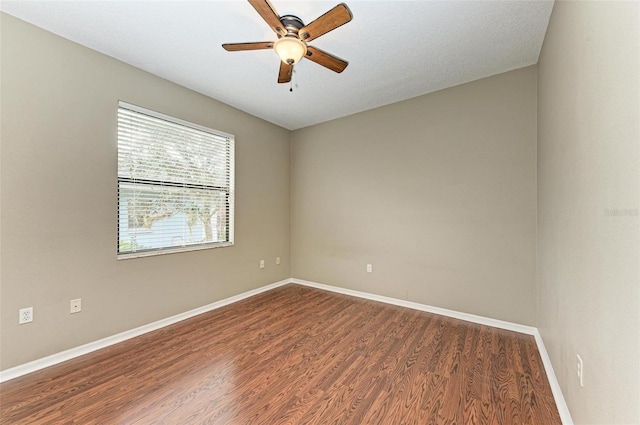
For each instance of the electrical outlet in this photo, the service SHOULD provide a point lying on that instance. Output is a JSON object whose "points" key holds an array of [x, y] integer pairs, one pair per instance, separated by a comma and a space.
{"points": [[76, 306], [369, 268], [25, 315], [580, 369], [277, 260], [262, 264]]}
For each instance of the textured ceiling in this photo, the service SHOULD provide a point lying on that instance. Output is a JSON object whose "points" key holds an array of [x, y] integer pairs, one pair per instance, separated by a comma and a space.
{"points": [[396, 49]]}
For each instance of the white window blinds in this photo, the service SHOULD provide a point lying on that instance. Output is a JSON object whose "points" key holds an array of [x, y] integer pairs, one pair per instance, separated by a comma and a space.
{"points": [[175, 184]]}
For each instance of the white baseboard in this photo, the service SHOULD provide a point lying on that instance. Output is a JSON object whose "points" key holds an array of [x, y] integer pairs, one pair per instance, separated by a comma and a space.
{"points": [[529, 330], [54, 359], [561, 404], [563, 410], [71, 353]]}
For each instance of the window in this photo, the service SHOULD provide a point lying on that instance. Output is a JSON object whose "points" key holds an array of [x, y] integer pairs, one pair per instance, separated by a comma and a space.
{"points": [[175, 184]]}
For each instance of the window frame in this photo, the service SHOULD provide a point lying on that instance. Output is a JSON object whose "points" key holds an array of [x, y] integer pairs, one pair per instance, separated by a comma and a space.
{"points": [[156, 184]]}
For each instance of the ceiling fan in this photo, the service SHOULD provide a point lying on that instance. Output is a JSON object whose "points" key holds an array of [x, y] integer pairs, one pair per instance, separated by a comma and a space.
{"points": [[293, 35]]}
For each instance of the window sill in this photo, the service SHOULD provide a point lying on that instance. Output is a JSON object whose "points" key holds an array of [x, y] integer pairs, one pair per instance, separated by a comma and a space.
{"points": [[176, 250]]}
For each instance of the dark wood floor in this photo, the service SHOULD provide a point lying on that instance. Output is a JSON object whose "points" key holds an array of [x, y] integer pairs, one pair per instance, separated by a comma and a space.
{"points": [[296, 355]]}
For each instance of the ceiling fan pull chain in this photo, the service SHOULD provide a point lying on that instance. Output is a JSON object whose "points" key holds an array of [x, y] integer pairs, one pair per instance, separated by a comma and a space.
{"points": [[291, 81]]}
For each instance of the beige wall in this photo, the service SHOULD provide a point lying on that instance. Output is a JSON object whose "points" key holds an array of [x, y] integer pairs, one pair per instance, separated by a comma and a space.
{"points": [[588, 201], [438, 193], [58, 235]]}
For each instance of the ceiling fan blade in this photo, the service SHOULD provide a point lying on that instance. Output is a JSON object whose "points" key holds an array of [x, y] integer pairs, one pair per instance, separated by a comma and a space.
{"points": [[269, 14], [235, 47], [284, 76], [326, 59], [331, 20]]}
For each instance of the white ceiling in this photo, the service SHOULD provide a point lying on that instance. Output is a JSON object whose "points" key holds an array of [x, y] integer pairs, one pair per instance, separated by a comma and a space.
{"points": [[396, 49]]}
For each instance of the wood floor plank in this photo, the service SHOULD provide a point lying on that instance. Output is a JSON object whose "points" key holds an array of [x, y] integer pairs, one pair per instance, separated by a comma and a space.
{"points": [[296, 355]]}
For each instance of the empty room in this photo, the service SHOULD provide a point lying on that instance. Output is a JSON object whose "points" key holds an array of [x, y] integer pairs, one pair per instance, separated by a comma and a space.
{"points": [[312, 212]]}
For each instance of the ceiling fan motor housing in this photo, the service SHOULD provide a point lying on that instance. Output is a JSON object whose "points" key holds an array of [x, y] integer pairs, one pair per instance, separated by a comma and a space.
{"points": [[292, 24]]}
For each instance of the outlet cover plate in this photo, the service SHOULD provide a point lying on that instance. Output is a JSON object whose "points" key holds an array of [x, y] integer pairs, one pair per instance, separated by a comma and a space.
{"points": [[75, 306], [580, 369], [25, 315]]}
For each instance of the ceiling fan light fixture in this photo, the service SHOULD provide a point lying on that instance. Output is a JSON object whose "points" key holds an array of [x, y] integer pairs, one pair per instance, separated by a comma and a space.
{"points": [[290, 49]]}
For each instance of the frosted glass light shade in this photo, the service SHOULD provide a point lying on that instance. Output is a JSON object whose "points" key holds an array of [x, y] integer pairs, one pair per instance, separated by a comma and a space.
{"points": [[290, 49]]}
